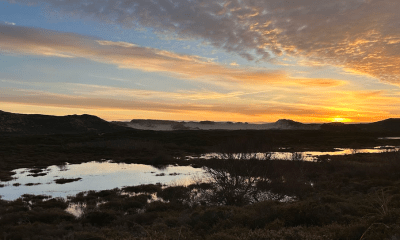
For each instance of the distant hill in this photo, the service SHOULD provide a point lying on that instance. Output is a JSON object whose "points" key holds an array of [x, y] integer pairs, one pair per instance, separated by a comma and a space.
{"points": [[14, 123], [167, 125], [45, 124], [340, 127], [388, 125], [288, 124]]}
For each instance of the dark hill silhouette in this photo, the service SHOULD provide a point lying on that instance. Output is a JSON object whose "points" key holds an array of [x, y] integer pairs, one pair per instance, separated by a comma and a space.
{"points": [[287, 124], [45, 124], [14, 123], [151, 122], [340, 127], [388, 125], [282, 124]]}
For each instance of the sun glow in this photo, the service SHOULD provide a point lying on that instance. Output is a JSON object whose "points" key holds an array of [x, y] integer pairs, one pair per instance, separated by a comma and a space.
{"points": [[340, 119]]}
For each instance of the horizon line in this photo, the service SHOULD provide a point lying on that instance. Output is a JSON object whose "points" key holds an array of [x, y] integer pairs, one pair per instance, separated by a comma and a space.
{"points": [[195, 121]]}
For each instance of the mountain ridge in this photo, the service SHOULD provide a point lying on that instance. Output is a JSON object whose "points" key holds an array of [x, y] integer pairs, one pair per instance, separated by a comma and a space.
{"points": [[70, 124], [169, 125]]}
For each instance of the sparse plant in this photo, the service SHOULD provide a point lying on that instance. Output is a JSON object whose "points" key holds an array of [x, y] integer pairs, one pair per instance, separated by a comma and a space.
{"points": [[380, 201], [235, 182]]}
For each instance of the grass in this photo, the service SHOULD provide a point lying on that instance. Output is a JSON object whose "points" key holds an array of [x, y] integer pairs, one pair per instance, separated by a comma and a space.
{"points": [[346, 197], [352, 197], [160, 148]]}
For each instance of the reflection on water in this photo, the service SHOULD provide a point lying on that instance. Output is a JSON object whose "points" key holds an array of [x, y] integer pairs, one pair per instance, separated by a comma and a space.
{"points": [[108, 175], [79, 208], [389, 138], [305, 156], [95, 176]]}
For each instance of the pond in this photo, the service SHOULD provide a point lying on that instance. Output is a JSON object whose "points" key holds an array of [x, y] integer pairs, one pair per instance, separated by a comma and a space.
{"points": [[93, 176], [70, 179], [305, 156]]}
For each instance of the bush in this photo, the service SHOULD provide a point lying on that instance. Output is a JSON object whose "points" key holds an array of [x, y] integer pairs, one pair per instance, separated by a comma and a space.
{"points": [[48, 216], [100, 219], [175, 194], [145, 218], [52, 203], [149, 188]]}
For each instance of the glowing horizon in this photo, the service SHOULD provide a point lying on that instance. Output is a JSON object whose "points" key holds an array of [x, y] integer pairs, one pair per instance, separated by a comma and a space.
{"points": [[259, 61]]}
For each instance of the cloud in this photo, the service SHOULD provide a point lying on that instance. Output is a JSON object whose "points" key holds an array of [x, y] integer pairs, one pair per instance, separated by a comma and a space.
{"points": [[109, 92], [316, 106], [261, 105], [9, 23], [360, 35], [43, 98], [22, 40]]}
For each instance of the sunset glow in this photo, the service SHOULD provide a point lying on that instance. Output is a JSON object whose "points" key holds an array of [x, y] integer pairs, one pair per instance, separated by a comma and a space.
{"points": [[339, 119], [220, 60]]}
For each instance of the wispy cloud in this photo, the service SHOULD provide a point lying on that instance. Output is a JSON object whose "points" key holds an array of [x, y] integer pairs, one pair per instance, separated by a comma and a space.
{"points": [[101, 91], [359, 35], [313, 107], [43, 98], [9, 23], [22, 40]]}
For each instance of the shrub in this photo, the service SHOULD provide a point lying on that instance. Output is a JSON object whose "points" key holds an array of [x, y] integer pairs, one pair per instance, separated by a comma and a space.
{"points": [[149, 188], [52, 203], [97, 218], [145, 218], [178, 193]]}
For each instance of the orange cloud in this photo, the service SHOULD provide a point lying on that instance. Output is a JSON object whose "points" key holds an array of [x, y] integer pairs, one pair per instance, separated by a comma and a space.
{"points": [[239, 111], [61, 100], [21, 40], [361, 36]]}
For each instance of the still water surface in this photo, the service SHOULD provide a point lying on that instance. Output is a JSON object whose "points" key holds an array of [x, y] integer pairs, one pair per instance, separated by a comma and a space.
{"points": [[108, 175], [306, 155], [95, 176]]}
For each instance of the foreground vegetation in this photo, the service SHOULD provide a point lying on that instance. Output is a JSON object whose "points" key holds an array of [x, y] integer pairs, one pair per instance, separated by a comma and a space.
{"points": [[343, 197], [346, 197], [150, 147]]}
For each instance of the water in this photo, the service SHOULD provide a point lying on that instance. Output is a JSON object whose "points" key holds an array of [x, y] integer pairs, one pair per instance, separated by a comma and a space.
{"points": [[108, 175], [95, 176], [305, 156], [389, 138]]}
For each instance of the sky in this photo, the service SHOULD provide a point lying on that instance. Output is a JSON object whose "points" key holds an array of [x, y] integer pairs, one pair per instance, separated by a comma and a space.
{"points": [[193, 60]]}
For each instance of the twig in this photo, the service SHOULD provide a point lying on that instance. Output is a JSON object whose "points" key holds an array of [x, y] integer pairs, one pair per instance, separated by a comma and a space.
{"points": [[371, 226]]}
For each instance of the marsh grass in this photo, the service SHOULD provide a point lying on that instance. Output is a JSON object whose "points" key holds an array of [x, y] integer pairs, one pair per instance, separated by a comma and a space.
{"points": [[342, 203], [343, 197]]}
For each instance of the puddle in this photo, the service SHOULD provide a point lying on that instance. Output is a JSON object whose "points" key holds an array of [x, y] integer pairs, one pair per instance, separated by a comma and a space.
{"points": [[95, 176], [306, 156]]}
